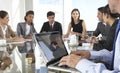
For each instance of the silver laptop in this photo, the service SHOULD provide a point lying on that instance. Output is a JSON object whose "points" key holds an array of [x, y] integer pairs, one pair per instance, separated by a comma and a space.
{"points": [[54, 49]]}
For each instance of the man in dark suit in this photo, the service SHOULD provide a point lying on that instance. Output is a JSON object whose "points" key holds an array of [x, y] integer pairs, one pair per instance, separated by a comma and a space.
{"points": [[51, 24], [102, 28]]}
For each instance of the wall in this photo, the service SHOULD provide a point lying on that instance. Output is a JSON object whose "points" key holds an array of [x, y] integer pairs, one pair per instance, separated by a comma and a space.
{"points": [[62, 9]]}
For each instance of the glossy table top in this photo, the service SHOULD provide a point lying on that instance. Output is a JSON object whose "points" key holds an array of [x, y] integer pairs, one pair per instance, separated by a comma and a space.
{"points": [[17, 57]]}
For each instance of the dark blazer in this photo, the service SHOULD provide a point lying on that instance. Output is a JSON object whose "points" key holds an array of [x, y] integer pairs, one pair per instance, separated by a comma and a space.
{"points": [[101, 29], [21, 29], [108, 43], [47, 28]]}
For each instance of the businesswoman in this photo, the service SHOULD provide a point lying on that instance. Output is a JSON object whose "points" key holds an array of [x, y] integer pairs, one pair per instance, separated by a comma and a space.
{"points": [[76, 26], [26, 29], [5, 30]]}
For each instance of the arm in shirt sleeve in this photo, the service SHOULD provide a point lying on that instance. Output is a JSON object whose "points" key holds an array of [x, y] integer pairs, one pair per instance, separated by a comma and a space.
{"points": [[86, 66], [103, 55]]}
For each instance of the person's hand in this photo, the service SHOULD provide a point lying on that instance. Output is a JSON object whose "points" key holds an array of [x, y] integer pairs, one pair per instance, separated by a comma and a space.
{"points": [[84, 36], [70, 60], [72, 33], [64, 36], [82, 53], [94, 39]]}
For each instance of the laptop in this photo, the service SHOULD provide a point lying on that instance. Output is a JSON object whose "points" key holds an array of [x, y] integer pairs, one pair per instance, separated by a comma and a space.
{"points": [[54, 49]]}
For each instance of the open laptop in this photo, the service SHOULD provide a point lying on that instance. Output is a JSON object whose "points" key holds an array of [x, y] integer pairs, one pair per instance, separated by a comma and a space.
{"points": [[53, 47]]}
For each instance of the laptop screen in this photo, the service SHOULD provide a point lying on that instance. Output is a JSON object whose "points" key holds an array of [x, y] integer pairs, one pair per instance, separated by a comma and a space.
{"points": [[52, 45]]}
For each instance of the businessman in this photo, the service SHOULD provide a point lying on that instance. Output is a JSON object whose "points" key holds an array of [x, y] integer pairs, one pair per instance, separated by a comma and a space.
{"points": [[51, 25], [78, 59]]}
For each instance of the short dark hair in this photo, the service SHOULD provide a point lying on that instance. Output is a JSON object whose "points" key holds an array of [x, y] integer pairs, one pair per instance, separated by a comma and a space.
{"points": [[50, 13], [101, 9], [29, 12], [3, 13]]}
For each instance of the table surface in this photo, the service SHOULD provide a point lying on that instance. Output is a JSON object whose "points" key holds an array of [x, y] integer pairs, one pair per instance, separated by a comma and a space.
{"points": [[21, 55]]}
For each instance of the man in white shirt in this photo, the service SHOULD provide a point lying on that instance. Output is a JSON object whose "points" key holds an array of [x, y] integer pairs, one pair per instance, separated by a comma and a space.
{"points": [[78, 61]]}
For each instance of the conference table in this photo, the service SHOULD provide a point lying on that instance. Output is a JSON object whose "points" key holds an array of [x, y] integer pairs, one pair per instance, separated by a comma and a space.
{"points": [[20, 55], [23, 60], [53, 69]]}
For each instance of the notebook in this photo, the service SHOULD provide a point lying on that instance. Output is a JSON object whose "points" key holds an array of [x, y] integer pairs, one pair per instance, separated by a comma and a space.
{"points": [[53, 47]]}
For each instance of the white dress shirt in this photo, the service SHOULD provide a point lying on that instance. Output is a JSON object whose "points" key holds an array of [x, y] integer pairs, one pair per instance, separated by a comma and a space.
{"points": [[27, 29], [86, 66]]}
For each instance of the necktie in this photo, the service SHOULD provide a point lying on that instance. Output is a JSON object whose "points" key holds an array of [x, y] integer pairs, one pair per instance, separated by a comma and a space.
{"points": [[116, 34], [50, 27]]}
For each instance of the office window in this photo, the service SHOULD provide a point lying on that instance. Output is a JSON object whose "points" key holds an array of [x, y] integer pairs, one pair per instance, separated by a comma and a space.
{"points": [[16, 9], [62, 9]]}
